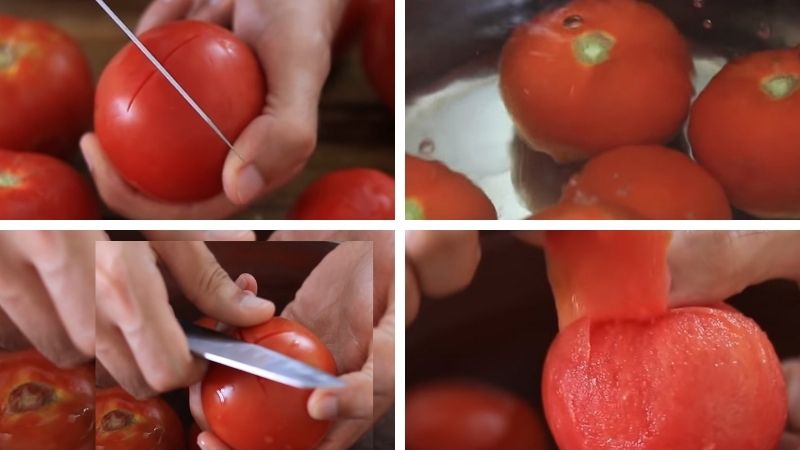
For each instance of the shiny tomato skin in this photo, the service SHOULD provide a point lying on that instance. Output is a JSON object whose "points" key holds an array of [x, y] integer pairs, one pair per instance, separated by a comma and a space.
{"points": [[433, 191], [378, 49], [748, 139], [694, 378], [153, 138], [470, 416], [46, 88], [652, 181], [64, 419], [578, 211], [355, 194], [251, 413], [125, 423], [35, 186], [574, 108]]}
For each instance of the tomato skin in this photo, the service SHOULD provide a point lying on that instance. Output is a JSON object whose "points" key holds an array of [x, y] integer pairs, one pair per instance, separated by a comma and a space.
{"points": [[46, 88], [749, 140], [694, 378], [63, 423], [151, 135], [40, 187], [152, 424], [469, 416], [654, 182], [579, 211], [251, 413], [356, 194], [572, 109], [435, 192], [378, 49]]}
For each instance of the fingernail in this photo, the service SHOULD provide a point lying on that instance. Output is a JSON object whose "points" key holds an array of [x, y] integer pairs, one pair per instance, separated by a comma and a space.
{"points": [[224, 235], [249, 183], [251, 301], [327, 408]]}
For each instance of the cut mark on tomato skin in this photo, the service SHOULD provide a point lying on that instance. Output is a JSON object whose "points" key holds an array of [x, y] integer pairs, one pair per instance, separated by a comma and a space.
{"points": [[30, 397], [781, 86], [573, 21], [593, 47], [116, 420], [414, 210]]}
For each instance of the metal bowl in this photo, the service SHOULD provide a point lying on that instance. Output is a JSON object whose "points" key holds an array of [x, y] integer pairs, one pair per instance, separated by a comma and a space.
{"points": [[454, 111]]}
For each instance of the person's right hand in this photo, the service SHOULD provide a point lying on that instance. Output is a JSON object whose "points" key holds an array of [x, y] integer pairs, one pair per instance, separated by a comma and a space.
{"points": [[46, 298], [139, 340]]}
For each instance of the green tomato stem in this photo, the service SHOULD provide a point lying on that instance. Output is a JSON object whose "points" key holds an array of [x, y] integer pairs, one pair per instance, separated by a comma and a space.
{"points": [[414, 210], [593, 47], [782, 86]]}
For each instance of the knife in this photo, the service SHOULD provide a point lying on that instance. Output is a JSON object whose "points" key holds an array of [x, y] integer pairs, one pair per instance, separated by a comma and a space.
{"points": [[165, 73], [255, 359]]}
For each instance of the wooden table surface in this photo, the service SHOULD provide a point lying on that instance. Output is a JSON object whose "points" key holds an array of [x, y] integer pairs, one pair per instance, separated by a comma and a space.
{"points": [[355, 129]]}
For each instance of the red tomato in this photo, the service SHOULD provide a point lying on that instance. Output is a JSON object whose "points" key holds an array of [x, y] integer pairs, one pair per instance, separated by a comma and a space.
{"points": [[695, 378], [608, 274], [435, 192], [34, 186], [356, 194], [43, 407], [251, 413], [45, 86], [350, 25], [378, 49], [578, 211], [594, 75], [744, 130], [125, 423], [652, 181], [151, 135], [470, 416]]}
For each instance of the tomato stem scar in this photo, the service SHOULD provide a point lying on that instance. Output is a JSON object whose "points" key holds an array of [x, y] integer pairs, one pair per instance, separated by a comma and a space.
{"points": [[593, 47], [117, 419], [779, 87], [30, 397], [414, 210], [7, 56], [8, 180]]}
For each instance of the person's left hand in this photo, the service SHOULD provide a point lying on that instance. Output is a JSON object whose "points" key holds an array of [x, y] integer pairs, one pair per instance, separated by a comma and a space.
{"points": [[292, 40], [336, 302]]}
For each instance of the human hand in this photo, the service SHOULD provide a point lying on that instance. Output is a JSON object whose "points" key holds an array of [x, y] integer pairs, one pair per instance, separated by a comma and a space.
{"points": [[47, 299], [791, 439], [342, 287], [292, 39], [139, 341]]}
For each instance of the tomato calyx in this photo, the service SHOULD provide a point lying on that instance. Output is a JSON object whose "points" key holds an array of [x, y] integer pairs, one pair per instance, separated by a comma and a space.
{"points": [[30, 397], [593, 47], [117, 420], [780, 86], [414, 210]]}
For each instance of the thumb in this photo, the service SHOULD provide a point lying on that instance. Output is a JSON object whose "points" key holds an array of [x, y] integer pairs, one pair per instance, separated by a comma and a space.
{"points": [[354, 401], [209, 287]]}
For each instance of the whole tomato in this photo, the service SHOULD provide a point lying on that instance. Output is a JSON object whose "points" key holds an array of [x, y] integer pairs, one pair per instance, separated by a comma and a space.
{"points": [[470, 416], [151, 135], [378, 49], [581, 211], [251, 413], [594, 75], [435, 192], [45, 86], [652, 181], [744, 129], [43, 407], [125, 423], [35, 186], [356, 194]]}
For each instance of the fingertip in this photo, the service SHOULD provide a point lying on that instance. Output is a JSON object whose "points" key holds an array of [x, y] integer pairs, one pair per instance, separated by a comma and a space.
{"points": [[252, 304], [323, 405], [247, 283]]}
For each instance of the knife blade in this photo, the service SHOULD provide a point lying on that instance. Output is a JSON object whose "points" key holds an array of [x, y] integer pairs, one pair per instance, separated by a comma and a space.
{"points": [[165, 73], [255, 359]]}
